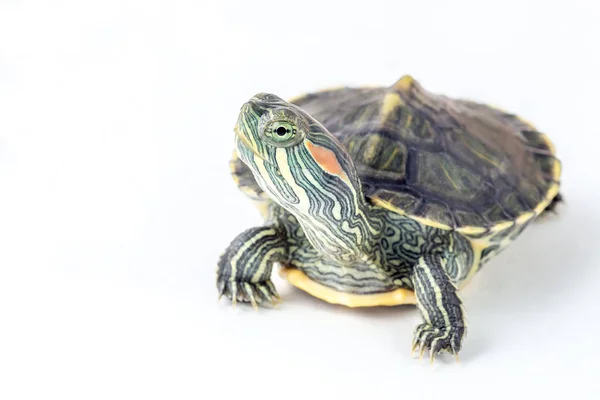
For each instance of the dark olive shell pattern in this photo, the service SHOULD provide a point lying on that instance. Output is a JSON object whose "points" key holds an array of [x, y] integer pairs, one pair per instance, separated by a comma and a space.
{"points": [[448, 162]]}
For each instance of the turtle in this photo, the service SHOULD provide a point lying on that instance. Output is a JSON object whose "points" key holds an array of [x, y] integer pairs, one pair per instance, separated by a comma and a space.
{"points": [[382, 196]]}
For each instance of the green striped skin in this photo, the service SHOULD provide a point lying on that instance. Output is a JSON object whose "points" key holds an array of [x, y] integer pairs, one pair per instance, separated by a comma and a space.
{"points": [[371, 190], [332, 233], [244, 271], [291, 177], [398, 247], [444, 326]]}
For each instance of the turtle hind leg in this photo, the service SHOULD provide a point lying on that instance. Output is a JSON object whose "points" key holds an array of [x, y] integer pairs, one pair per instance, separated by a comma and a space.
{"points": [[445, 327], [244, 269]]}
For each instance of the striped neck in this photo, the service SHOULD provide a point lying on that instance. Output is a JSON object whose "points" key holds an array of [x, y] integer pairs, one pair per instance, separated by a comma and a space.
{"points": [[304, 169], [320, 187], [339, 229]]}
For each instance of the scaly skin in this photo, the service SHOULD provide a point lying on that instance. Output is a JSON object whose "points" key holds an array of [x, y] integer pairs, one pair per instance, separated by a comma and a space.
{"points": [[320, 222], [244, 272], [409, 255], [401, 244]]}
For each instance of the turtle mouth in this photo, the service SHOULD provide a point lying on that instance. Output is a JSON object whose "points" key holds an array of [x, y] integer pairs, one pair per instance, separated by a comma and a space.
{"points": [[242, 142]]}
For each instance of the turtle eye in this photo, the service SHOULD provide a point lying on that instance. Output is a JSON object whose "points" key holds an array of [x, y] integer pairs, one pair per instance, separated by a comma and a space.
{"points": [[281, 131]]}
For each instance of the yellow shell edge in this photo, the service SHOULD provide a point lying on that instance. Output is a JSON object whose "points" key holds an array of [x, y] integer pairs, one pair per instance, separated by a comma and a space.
{"points": [[299, 279], [468, 230]]}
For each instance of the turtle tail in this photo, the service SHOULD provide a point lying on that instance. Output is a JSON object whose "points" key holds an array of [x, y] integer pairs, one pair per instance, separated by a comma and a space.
{"points": [[553, 204]]}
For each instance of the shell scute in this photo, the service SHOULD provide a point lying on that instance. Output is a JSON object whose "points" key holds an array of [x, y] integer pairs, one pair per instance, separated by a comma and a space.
{"points": [[447, 162]]}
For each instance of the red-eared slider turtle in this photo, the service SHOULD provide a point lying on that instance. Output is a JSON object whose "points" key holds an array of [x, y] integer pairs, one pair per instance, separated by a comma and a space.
{"points": [[383, 196]]}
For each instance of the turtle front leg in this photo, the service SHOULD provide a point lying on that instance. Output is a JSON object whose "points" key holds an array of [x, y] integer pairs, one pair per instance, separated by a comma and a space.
{"points": [[244, 269], [445, 326]]}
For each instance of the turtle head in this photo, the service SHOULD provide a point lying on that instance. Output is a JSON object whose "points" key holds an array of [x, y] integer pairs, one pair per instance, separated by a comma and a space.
{"points": [[292, 156], [304, 169]]}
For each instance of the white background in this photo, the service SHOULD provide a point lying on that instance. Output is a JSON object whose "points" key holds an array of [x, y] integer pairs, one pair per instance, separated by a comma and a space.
{"points": [[116, 125]]}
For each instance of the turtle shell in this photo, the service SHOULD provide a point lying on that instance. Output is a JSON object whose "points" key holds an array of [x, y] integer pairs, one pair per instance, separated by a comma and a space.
{"points": [[449, 163]]}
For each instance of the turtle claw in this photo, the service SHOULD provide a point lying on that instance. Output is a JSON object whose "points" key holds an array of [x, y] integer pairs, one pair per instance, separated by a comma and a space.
{"points": [[437, 340], [255, 293], [250, 293]]}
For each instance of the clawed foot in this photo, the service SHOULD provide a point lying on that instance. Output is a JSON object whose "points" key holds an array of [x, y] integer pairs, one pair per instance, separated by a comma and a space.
{"points": [[437, 340], [248, 292]]}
